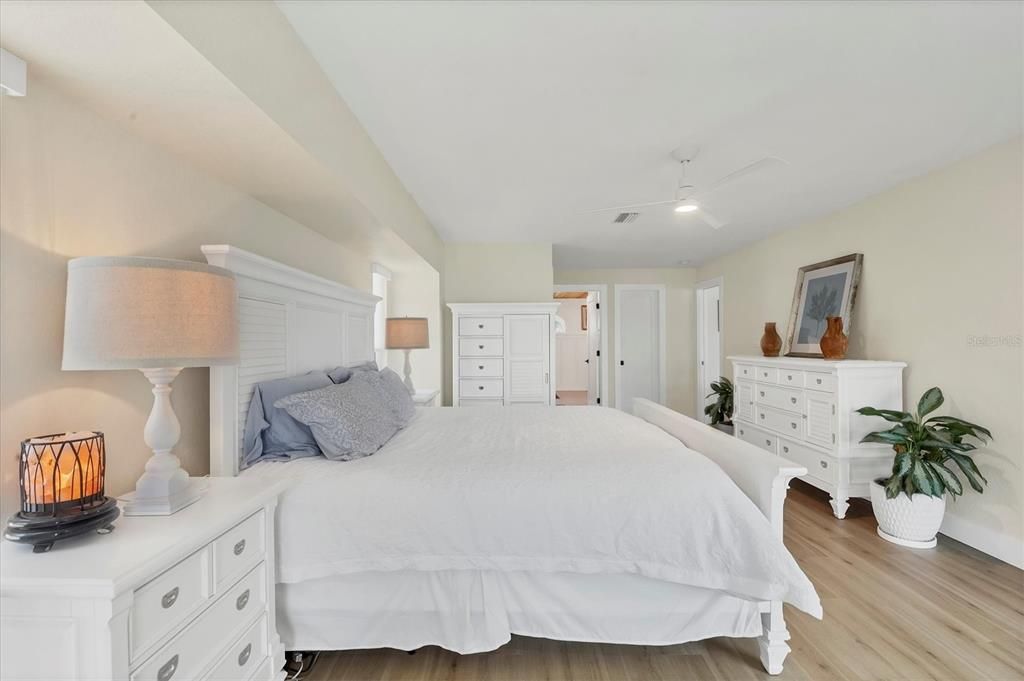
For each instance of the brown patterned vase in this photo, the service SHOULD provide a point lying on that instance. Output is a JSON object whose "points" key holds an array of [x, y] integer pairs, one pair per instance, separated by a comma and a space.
{"points": [[834, 342], [771, 341]]}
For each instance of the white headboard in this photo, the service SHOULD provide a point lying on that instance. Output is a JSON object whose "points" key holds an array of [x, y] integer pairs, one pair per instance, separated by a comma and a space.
{"points": [[289, 322]]}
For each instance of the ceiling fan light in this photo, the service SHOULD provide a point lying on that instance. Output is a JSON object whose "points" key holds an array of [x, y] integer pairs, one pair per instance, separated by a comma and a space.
{"points": [[686, 207]]}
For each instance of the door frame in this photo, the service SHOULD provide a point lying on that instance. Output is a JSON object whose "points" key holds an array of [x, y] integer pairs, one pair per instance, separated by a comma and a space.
{"points": [[602, 292], [662, 290], [698, 302]]}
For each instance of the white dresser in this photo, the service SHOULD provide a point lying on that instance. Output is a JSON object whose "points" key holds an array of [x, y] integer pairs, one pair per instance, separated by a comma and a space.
{"points": [[176, 598], [503, 353], [804, 411]]}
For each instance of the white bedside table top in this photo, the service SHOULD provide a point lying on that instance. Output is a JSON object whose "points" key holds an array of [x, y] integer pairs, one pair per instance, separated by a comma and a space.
{"points": [[104, 565], [425, 396]]}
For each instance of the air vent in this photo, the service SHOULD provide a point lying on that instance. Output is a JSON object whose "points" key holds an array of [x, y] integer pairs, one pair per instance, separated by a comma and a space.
{"points": [[623, 218]]}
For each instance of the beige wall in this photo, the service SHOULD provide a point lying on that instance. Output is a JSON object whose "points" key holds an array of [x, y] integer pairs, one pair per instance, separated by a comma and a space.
{"points": [[74, 183], [491, 273], [942, 269], [679, 329]]}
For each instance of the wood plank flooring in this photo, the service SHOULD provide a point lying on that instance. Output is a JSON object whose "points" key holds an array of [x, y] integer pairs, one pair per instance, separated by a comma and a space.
{"points": [[890, 613]]}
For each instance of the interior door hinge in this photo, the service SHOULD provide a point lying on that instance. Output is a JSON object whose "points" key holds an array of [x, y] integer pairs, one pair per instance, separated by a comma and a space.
{"points": [[599, 400], [718, 315], [597, 306], [598, 353]]}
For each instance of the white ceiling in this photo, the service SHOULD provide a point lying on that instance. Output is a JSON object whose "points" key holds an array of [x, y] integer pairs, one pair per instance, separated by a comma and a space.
{"points": [[507, 120]]}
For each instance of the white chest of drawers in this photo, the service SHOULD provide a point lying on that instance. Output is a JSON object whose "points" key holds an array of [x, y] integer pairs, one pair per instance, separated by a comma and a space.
{"points": [[503, 354], [804, 410], [186, 597]]}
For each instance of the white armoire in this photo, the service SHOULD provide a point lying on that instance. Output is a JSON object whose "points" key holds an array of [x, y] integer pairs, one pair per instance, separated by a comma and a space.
{"points": [[503, 354]]}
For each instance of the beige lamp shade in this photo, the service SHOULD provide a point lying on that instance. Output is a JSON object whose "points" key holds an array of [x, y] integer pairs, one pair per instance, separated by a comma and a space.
{"points": [[406, 333], [139, 313]]}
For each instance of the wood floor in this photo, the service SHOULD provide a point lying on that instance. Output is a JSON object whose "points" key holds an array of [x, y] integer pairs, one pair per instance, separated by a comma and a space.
{"points": [[571, 397], [890, 613]]}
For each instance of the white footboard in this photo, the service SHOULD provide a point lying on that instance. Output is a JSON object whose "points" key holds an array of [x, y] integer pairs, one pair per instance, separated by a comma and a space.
{"points": [[762, 476]]}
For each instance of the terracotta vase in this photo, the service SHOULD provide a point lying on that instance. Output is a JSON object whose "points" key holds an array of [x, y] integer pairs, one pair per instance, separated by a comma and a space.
{"points": [[771, 341], [834, 342]]}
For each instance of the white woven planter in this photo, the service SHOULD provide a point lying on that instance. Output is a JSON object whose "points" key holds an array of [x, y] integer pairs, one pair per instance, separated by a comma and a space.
{"points": [[907, 521]]}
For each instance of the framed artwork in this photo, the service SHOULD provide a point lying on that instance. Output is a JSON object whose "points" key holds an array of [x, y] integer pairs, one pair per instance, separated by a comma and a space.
{"points": [[583, 317], [824, 289]]}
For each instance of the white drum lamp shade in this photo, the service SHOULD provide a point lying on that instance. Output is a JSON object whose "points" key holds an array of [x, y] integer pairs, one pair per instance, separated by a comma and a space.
{"points": [[407, 333], [158, 316]]}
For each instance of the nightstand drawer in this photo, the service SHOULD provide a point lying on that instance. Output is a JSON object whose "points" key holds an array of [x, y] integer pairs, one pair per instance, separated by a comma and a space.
{"points": [[238, 549], [167, 601], [243, 656], [192, 651]]}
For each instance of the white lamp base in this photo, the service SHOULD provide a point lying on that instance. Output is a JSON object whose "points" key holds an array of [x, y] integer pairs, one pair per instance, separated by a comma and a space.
{"points": [[407, 370], [165, 486]]}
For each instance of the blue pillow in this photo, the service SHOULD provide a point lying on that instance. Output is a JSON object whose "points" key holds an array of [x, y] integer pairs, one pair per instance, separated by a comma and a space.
{"points": [[342, 374], [271, 433]]}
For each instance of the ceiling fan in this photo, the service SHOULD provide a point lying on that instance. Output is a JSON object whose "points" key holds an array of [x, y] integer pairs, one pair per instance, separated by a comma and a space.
{"points": [[688, 196]]}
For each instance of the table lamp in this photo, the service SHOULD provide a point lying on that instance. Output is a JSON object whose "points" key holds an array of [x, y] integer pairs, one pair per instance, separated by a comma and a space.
{"points": [[158, 316], [407, 333]]}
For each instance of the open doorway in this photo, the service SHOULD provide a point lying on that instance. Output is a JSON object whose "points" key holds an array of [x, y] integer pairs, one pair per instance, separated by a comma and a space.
{"points": [[579, 365]]}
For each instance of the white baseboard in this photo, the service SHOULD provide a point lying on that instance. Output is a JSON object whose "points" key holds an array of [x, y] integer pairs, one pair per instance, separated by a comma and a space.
{"points": [[1005, 547]]}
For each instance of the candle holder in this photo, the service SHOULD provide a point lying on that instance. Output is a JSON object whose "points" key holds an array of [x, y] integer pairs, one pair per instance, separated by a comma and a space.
{"points": [[61, 478]]}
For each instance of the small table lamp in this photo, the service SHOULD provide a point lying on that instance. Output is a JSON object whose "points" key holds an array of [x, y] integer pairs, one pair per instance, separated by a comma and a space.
{"points": [[158, 316], [407, 333]]}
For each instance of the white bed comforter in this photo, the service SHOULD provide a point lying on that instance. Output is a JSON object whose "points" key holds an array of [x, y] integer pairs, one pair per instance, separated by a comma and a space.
{"points": [[567, 489]]}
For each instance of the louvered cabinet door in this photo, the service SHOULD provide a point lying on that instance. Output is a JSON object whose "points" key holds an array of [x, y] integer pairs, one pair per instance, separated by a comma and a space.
{"points": [[821, 412], [744, 400], [527, 359]]}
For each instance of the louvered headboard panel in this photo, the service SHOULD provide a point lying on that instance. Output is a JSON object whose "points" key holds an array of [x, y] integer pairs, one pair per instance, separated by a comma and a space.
{"points": [[290, 322]]}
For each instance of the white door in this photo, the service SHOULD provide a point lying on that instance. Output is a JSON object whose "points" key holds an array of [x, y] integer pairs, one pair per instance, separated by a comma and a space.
{"points": [[709, 341], [527, 359], [593, 349], [639, 348]]}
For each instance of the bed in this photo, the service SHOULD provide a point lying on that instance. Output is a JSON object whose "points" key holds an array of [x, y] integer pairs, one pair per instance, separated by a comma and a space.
{"points": [[468, 526]]}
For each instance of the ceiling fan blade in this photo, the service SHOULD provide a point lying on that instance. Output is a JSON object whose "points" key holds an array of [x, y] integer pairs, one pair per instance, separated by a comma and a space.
{"points": [[711, 219], [756, 166], [631, 206]]}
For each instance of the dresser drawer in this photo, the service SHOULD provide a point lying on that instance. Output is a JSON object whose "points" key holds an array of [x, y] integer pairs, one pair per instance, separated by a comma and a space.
{"points": [[243, 656], [745, 371], [191, 651], [819, 381], [480, 368], [818, 465], [791, 377], [781, 398], [483, 387], [781, 422], [481, 347], [481, 326], [766, 374], [168, 600], [238, 549], [482, 403], [755, 436]]}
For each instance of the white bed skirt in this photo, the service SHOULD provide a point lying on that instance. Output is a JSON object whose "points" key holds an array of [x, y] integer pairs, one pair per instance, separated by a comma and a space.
{"points": [[470, 611]]}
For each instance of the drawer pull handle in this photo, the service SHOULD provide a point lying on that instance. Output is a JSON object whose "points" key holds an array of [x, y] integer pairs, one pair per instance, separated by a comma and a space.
{"points": [[761, 415], [789, 377], [768, 442], [479, 326], [793, 423], [479, 387], [480, 367], [785, 448], [239, 547], [243, 656], [169, 598], [818, 381], [482, 347], [167, 671], [742, 431], [242, 601], [793, 400], [762, 393], [824, 464]]}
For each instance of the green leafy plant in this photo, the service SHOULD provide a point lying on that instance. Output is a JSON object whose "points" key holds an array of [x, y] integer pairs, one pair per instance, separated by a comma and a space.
{"points": [[926, 448], [720, 410]]}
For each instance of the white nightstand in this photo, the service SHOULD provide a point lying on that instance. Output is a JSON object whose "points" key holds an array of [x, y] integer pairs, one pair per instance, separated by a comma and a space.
{"points": [[174, 598], [425, 398]]}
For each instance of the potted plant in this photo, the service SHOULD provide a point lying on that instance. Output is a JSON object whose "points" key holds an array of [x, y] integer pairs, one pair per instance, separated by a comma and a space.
{"points": [[720, 410], [931, 454]]}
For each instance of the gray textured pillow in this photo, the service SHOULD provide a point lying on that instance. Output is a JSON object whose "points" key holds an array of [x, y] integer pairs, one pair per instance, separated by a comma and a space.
{"points": [[398, 395], [342, 374], [349, 420]]}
